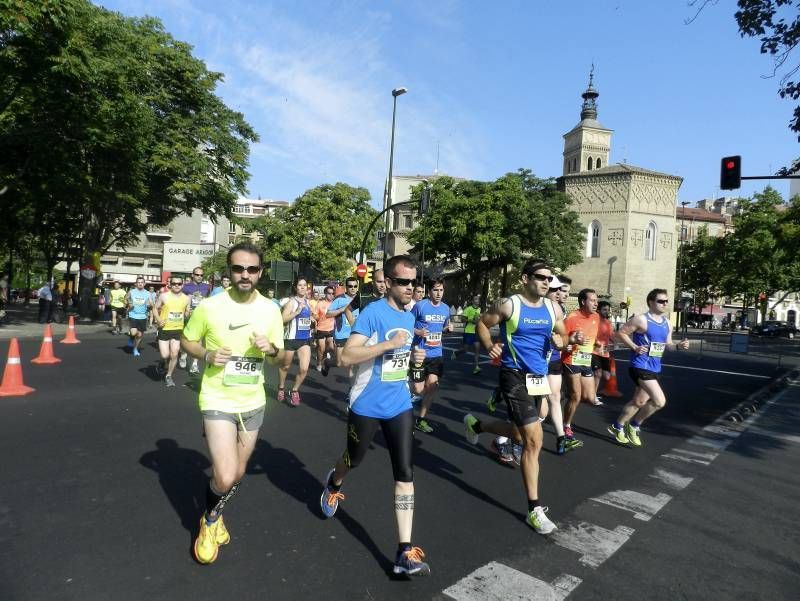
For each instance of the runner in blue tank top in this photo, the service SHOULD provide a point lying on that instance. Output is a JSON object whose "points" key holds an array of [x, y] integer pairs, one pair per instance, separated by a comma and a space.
{"points": [[138, 302], [432, 320], [296, 314], [529, 323], [647, 335], [380, 347]]}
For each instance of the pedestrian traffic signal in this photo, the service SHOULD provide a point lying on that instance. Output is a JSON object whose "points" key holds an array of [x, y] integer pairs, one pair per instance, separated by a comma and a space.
{"points": [[368, 276], [730, 174]]}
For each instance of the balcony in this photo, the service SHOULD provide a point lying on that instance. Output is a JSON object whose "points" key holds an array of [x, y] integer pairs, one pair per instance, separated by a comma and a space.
{"points": [[160, 231]]}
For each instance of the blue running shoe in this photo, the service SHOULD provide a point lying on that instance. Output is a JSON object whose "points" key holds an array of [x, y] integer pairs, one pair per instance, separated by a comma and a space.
{"points": [[329, 500], [410, 562], [130, 342], [136, 352]]}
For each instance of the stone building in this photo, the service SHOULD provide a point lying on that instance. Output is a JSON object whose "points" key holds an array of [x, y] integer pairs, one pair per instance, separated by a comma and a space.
{"points": [[628, 213]]}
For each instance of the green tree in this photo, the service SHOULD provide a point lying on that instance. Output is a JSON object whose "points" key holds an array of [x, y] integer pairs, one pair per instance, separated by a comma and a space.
{"points": [[323, 227], [119, 126], [702, 267], [481, 226]]}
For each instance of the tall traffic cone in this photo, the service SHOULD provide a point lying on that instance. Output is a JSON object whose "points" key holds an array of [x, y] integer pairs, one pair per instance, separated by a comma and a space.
{"points": [[71, 338], [611, 389], [12, 376], [46, 354]]}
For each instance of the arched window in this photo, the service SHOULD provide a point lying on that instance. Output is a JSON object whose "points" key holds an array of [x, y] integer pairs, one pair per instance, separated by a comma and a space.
{"points": [[650, 242], [589, 163], [593, 239], [597, 163]]}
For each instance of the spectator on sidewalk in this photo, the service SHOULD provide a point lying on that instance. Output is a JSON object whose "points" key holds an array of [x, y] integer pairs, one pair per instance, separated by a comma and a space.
{"points": [[45, 294]]}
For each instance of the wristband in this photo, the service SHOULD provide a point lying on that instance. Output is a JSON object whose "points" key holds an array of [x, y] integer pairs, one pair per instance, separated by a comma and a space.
{"points": [[205, 356]]}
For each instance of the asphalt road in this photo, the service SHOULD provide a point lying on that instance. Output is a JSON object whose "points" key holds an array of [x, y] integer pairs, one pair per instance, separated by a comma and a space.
{"points": [[104, 473]]}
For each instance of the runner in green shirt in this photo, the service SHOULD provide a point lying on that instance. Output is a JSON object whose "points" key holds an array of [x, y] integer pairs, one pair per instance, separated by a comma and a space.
{"points": [[240, 329], [117, 302], [472, 314]]}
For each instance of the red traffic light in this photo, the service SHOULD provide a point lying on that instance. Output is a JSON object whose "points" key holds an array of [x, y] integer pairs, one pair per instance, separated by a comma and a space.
{"points": [[730, 175]]}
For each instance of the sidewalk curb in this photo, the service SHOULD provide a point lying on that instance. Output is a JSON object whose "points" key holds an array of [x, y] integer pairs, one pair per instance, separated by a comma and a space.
{"points": [[753, 403]]}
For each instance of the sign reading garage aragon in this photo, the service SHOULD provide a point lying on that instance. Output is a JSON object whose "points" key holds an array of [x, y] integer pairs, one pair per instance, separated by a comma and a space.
{"points": [[185, 257]]}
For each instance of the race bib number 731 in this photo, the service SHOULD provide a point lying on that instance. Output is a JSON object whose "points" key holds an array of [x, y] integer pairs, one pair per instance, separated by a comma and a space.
{"points": [[394, 366]]}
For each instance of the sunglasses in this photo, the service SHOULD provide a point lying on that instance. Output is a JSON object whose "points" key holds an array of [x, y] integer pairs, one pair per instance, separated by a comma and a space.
{"points": [[662, 301], [542, 278], [200, 274], [402, 281], [350, 286], [176, 283], [251, 269]]}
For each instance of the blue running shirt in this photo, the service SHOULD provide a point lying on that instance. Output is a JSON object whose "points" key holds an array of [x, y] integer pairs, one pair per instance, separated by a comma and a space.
{"points": [[342, 325], [380, 387], [434, 318], [526, 336], [655, 339], [139, 300], [300, 327]]}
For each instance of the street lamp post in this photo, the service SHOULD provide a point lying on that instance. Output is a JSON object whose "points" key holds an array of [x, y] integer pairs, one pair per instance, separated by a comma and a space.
{"points": [[388, 196], [680, 267]]}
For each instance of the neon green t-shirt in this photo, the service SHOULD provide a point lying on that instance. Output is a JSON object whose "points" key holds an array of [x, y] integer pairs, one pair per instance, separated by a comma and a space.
{"points": [[118, 297], [239, 385], [471, 315]]}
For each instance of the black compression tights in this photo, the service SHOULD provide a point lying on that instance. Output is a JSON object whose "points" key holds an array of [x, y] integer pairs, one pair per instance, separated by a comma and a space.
{"points": [[399, 434]]}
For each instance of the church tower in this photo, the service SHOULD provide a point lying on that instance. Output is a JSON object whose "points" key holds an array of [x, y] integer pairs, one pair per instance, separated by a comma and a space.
{"points": [[587, 145]]}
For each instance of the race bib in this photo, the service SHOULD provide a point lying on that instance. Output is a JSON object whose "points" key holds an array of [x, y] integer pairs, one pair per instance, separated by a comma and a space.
{"points": [[657, 349], [138, 301], [433, 339], [582, 357], [242, 371], [394, 366], [175, 316], [303, 323], [537, 385]]}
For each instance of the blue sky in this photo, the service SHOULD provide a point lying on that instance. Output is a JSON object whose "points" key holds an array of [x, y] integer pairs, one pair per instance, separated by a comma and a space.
{"points": [[494, 84]]}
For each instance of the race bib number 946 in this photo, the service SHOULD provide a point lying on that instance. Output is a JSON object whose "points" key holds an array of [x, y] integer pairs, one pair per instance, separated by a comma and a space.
{"points": [[242, 371], [394, 366]]}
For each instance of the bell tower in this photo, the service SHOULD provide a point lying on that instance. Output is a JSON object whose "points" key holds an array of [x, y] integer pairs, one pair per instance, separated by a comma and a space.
{"points": [[588, 144]]}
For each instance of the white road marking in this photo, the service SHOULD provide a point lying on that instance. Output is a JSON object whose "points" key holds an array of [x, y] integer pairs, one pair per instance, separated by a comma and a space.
{"points": [[723, 430], [594, 543], [774, 435], [498, 582], [691, 456], [671, 479], [719, 445], [641, 505], [716, 371]]}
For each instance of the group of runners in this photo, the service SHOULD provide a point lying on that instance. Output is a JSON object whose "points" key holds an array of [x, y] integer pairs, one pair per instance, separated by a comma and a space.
{"points": [[392, 344]]}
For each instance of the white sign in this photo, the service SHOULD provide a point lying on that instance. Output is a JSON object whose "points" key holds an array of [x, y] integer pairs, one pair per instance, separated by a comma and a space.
{"points": [[185, 257]]}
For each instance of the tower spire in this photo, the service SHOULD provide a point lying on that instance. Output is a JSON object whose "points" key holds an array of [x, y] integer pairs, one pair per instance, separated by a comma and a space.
{"points": [[589, 108]]}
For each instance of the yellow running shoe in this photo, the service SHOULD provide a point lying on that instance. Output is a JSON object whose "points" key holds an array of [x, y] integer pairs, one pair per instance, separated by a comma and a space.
{"points": [[619, 435], [633, 435], [206, 546], [223, 537]]}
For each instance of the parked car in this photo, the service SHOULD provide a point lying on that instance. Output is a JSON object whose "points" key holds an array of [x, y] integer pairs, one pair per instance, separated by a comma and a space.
{"points": [[775, 328]]}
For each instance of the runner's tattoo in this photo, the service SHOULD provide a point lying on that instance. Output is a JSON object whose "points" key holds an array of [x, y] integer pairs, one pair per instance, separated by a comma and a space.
{"points": [[404, 502], [497, 306]]}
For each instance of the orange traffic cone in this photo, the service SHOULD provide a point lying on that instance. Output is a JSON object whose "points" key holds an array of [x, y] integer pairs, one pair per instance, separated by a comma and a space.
{"points": [[611, 389], [12, 376], [46, 354], [71, 338]]}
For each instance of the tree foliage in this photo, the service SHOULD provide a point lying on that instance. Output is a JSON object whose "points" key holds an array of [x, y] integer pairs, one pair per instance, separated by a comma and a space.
{"points": [[760, 256], [108, 123], [484, 225], [323, 227]]}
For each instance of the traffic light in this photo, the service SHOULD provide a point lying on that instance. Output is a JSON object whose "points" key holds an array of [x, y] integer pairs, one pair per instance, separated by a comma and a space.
{"points": [[368, 275], [730, 173]]}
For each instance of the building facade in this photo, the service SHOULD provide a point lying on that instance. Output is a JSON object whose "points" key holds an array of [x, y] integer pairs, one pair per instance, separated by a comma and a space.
{"points": [[628, 213]]}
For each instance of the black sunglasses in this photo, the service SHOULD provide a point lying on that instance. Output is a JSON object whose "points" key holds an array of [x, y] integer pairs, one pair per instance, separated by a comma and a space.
{"points": [[351, 286], [176, 283], [251, 269], [402, 281], [662, 301], [542, 278]]}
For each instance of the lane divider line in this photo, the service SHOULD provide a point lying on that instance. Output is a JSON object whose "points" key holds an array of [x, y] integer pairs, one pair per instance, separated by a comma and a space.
{"points": [[497, 581], [641, 505]]}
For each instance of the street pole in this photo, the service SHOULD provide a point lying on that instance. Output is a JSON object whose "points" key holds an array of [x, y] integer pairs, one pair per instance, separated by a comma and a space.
{"points": [[680, 267], [388, 197]]}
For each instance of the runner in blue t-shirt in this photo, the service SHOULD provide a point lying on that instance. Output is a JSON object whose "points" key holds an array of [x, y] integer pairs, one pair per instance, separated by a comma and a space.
{"points": [[344, 309], [431, 321], [380, 347], [138, 301], [648, 335]]}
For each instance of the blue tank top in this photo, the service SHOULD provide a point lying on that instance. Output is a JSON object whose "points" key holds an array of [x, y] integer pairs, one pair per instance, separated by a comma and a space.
{"points": [[526, 337], [655, 339], [300, 327], [139, 300], [555, 354]]}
